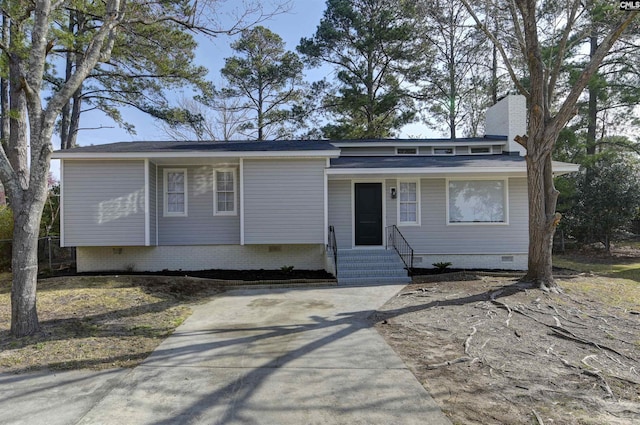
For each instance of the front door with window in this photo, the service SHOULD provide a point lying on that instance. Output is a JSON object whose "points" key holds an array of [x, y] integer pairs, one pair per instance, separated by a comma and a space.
{"points": [[368, 213]]}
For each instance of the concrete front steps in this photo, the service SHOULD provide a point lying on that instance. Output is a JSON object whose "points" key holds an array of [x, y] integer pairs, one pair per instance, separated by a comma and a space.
{"points": [[369, 266]]}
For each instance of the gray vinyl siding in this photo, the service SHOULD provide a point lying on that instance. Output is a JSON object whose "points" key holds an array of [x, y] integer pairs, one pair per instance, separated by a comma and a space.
{"points": [[392, 210], [284, 201], [367, 150], [434, 236], [152, 203], [340, 215], [103, 203], [200, 226]]}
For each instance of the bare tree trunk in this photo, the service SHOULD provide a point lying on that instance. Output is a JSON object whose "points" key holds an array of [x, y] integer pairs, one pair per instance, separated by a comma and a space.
{"points": [[4, 91], [543, 221], [72, 141], [65, 114], [452, 97], [24, 265], [543, 127], [592, 114], [17, 151], [26, 182], [494, 75]]}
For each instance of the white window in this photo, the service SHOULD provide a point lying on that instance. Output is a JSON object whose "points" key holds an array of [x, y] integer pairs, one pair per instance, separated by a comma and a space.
{"points": [[409, 203], [477, 201], [224, 198], [477, 150], [406, 151], [443, 151], [175, 192]]}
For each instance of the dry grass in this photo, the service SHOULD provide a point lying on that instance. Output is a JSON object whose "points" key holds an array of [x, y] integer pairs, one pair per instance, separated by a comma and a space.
{"points": [[611, 279], [98, 322], [620, 293]]}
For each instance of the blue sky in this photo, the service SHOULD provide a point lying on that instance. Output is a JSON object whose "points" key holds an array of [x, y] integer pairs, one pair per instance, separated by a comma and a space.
{"points": [[301, 21]]}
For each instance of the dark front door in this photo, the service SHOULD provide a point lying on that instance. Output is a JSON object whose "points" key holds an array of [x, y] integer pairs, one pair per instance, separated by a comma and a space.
{"points": [[368, 214]]}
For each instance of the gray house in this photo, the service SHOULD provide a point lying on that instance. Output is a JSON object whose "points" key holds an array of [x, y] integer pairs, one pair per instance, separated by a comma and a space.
{"points": [[152, 206]]}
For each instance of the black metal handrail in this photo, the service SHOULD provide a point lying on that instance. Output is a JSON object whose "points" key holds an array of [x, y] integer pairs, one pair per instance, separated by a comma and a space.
{"points": [[332, 246], [400, 244]]}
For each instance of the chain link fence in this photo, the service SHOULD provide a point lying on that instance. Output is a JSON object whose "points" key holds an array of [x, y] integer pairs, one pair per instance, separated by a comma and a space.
{"points": [[51, 255]]}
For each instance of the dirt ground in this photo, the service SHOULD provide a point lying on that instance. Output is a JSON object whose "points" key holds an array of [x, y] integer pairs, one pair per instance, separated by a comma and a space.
{"points": [[493, 351], [98, 322]]}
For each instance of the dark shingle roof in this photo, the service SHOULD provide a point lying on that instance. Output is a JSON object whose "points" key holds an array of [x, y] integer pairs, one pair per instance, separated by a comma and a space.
{"points": [[457, 141], [232, 146], [428, 161]]}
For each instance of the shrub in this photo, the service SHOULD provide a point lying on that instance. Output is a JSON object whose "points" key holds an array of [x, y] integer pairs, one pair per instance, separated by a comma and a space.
{"points": [[6, 222], [441, 266], [6, 233], [607, 198]]}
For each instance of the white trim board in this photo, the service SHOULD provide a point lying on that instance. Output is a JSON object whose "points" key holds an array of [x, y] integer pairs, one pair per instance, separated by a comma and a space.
{"points": [[147, 205], [62, 203], [559, 168], [196, 154]]}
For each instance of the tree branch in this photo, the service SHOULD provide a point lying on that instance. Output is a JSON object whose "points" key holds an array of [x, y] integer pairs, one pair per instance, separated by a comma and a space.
{"points": [[555, 72], [566, 110], [500, 48], [8, 175]]}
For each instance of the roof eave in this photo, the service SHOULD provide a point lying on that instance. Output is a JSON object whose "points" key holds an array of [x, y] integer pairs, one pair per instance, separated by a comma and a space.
{"points": [[561, 168], [334, 153], [418, 143], [428, 170]]}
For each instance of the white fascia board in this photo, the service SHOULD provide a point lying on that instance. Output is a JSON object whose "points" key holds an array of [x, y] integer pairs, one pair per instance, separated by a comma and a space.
{"points": [[560, 168], [411, 143], [425, 170], [197, 154]]}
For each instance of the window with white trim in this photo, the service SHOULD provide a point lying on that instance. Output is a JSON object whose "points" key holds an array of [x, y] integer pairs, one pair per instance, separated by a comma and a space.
{"points": [[175, 192], [408, 203], [443, 151], [477, 150], [477, 201], [406, 151], [224, 198]]}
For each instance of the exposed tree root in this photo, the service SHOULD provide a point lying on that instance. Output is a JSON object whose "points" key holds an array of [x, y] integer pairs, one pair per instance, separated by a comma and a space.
{"points": [[546, 285], [557, 329], [467, 358], [590, 364], [596, 374], [538, 418], [565, 333], [468, 340], [448, 363]]}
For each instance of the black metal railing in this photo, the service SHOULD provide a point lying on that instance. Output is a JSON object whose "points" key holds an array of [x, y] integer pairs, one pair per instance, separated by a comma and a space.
{"points": [[400, 244], [332, 246]]}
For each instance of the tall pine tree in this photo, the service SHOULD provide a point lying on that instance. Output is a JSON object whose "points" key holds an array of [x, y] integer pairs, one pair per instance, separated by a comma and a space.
{"points": [[372, 47]]}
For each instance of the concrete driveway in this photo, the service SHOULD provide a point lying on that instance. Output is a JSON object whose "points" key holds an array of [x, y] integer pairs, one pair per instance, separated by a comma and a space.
{"points": [[277, 356]]}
